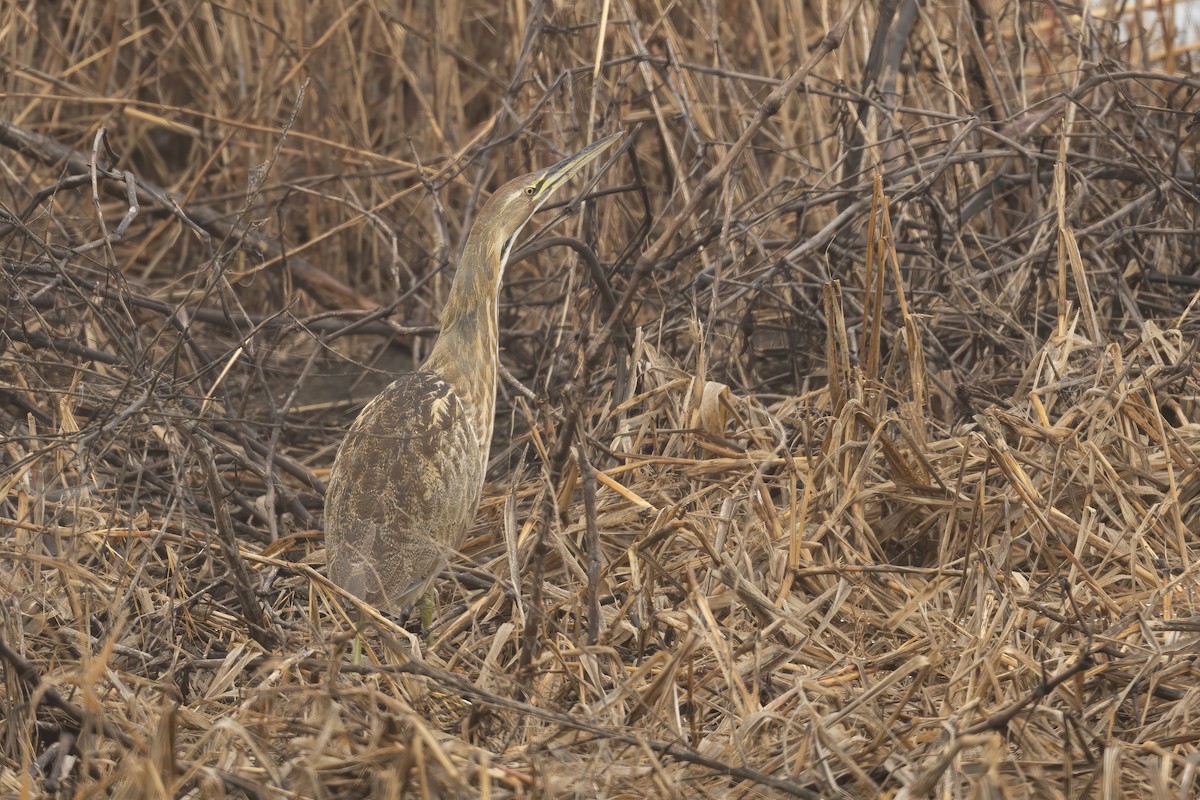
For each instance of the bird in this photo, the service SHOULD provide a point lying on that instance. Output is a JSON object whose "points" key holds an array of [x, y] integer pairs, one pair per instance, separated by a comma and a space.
{"points": [[407, 479]]}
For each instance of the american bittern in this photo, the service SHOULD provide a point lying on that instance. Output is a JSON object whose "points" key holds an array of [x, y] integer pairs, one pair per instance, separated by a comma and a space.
{"points": [[406, 481]]}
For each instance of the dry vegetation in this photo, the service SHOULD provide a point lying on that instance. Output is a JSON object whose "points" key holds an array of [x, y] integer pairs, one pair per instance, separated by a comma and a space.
{"points": [[850, 450]]}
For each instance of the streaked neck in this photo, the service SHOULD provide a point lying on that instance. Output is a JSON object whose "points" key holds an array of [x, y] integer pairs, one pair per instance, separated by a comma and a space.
{"points": [[465, 352]]}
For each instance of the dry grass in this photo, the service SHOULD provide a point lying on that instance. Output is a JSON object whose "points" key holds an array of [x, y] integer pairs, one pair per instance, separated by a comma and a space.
{"points": [[865, 463]]}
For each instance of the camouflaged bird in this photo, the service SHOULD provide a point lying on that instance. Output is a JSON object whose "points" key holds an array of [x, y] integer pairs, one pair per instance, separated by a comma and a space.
{"points": [[407, 479]]}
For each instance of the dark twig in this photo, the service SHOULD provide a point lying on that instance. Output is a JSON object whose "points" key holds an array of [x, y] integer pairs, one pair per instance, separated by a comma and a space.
{"points": [[713, 179], [29, 675], [1000, 720], [676, 750], [239, 575], [591, 543], [323, 287]]}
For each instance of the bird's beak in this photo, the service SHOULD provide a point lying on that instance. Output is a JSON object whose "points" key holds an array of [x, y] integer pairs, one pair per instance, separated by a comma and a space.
{"points": [[560, 173]]}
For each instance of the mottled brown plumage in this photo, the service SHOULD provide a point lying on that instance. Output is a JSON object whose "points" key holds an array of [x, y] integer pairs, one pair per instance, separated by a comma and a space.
{"points": [[406, 481]]}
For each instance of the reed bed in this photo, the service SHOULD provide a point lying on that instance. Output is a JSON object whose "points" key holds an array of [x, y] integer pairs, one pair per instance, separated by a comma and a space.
{"points": [[848, 444]]}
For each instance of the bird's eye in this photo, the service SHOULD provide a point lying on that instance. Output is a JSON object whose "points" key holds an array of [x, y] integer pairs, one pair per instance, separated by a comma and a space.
{"points": [[530, 191]]}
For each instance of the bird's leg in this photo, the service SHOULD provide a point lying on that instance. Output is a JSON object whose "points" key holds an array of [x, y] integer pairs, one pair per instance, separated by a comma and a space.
{"points": [[427, 614], [356, 648]]}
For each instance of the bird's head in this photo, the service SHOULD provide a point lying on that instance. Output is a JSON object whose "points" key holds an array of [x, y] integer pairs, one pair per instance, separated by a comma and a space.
{"points": [[514, 204]]}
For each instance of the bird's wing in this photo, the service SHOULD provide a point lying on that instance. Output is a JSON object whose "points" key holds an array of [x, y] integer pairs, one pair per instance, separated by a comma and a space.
{"points": [[404, 488]]}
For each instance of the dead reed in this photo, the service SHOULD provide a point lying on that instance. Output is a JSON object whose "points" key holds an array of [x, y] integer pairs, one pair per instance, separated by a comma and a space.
{"points": [[849, 447]]}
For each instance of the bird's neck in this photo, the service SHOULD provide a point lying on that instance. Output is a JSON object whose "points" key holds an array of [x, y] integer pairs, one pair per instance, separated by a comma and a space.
{"points": [[465, 352]]}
